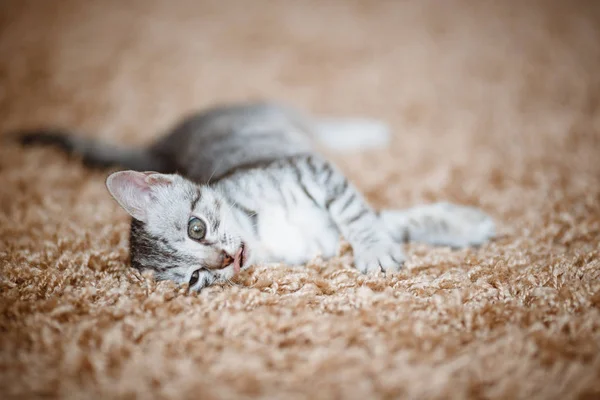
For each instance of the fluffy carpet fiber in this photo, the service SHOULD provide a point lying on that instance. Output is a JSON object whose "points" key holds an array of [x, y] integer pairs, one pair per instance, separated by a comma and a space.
{"points": [[493, 104]]}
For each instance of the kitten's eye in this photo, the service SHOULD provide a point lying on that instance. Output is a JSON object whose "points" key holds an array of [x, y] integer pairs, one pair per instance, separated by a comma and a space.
{"points": [[196, 229], [194, 277]]}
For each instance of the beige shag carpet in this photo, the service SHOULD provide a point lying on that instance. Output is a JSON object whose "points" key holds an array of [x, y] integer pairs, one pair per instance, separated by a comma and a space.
{"points": [[494, 104]]}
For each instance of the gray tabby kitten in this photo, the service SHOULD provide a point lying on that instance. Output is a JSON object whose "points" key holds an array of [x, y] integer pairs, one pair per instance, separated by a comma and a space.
{"points": [[241, 184]]}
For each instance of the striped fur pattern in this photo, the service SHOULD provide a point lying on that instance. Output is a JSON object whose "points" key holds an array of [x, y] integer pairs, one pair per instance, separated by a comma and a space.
{"points": [[247, 177]]}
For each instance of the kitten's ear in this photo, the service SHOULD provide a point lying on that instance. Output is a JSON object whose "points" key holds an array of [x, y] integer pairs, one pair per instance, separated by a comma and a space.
{"points": [[132, 189]]}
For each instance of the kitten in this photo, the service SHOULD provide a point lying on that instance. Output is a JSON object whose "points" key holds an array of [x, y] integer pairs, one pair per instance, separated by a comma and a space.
{"points": [[242, 184]]}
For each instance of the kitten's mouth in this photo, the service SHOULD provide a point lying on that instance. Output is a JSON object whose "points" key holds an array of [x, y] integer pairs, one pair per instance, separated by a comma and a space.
{"points": [[240, 259]]}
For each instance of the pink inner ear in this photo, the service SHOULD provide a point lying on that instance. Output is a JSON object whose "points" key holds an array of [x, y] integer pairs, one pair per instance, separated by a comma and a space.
{"points": [[131, 190], [140, 181], [154, 178]]}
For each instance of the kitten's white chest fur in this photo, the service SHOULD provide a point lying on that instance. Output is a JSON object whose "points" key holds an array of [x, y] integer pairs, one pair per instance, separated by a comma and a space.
{"points": [[295, 235]]}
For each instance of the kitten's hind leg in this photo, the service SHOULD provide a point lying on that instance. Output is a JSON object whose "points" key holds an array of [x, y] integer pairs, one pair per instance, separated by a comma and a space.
{"points": [[440, 224], [348, 134]]}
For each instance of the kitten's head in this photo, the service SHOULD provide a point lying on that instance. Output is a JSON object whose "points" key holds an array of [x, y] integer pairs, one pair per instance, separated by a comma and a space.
{"points": [[180, 230]]}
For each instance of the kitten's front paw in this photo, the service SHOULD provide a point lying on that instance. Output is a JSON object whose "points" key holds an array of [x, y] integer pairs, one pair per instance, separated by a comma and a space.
{"points": [[386, 256]]}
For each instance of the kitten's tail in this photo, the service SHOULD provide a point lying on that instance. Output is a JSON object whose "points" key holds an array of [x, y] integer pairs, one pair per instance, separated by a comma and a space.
{"points": [[347, 134], [93, 152]]}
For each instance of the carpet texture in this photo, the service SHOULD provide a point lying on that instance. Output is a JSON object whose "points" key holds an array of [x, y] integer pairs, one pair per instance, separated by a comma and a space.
{"points": [[493, 104]]}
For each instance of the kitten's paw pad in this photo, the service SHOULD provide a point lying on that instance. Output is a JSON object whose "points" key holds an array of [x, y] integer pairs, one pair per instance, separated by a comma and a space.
{"points": [[384, 257], [466, 226]]}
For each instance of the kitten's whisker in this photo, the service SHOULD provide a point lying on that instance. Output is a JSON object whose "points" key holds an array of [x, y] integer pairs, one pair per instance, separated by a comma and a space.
{"points": [[230, 282], [230, 206], [213, 173]]}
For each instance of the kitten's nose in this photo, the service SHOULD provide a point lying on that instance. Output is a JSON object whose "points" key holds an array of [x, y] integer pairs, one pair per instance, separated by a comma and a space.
{"points": [[226, 259]]}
